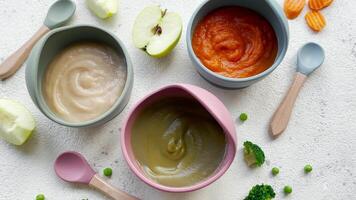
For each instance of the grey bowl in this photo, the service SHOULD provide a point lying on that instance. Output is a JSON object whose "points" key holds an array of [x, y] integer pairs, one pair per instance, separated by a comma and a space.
{"points": [[267, 8], [50, 45]]}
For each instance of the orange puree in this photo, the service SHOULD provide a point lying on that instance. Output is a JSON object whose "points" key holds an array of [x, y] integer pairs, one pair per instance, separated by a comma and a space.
{"points": [[235, 42]]}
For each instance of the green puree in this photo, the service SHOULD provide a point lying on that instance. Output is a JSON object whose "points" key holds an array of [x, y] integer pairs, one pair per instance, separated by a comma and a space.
{"points": [[177, 142]]}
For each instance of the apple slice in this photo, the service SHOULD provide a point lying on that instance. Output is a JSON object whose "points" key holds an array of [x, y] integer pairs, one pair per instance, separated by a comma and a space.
{"points": [[103, 8], [157, 31], [16, 122]]}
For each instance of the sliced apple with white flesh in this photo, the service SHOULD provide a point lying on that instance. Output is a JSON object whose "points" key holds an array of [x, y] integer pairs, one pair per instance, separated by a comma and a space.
{"points": [[103, 8], [157, 31], [16, 122]]}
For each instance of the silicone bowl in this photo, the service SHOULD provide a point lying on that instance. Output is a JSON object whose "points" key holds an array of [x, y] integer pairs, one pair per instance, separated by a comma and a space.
{"points": [[211, 103], [50, 45], [267, 8]]}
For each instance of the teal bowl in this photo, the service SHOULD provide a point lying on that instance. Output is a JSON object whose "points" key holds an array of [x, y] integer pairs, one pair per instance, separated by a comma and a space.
{"points": [[268, 9], [50, 45]]}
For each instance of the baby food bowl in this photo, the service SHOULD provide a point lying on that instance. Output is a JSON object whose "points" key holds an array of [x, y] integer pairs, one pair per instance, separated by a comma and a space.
{"points": [[267, 8], [50, 45], [211, 103]]}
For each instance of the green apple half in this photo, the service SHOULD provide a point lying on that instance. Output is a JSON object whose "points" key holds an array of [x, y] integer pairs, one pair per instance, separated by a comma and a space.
{"points": [[16, 122], [103, 8], [157, 31]]}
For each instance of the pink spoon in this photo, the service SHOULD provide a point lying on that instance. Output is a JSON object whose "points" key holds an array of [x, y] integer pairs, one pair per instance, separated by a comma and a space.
{"points": [[72, 167]]}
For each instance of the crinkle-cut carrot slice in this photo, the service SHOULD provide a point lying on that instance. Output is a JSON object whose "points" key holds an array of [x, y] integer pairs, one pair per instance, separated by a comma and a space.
{"points": [[315, 20], [292, 8], [319, 4]]}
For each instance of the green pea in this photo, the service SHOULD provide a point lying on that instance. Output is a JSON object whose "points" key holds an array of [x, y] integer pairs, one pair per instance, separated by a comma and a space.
{"points": [[275, 171], [107, 172], [40, 197], [308, 168], [287, 189], [243, 117]]}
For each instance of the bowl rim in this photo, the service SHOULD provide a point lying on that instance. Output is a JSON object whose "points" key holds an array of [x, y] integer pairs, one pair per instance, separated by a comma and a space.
{"points": [[231, 147], [41, 103], [200, 65]]}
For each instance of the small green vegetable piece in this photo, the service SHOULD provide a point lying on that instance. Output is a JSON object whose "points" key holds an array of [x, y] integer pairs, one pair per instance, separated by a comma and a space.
{"points": [[287, 189], [107, 172], [261, 192], [40, 197], [243, 117], [253, 154], [275, 171], [308, 168]]}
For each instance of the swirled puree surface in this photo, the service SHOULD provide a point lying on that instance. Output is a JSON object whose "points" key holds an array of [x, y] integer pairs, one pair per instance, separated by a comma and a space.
{"points": [[235, 42], [177, 142], [83, 81]]}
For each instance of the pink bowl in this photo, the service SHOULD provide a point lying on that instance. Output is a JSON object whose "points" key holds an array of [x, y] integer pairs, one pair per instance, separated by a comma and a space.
{"points": [[211, 103]]}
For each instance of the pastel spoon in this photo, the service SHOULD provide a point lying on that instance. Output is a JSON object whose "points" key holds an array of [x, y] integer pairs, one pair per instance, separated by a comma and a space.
{"points": [[58, 14], [310, 57], [72, 167]]}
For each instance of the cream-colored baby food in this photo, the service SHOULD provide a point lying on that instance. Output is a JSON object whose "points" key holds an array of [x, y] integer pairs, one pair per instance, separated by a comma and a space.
{"points": [[83, 81], [177, 142]]}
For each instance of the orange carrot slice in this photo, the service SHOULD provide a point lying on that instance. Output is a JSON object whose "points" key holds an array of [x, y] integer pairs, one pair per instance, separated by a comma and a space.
{"points": [[319, 4], [315, 20], [293, 8]]}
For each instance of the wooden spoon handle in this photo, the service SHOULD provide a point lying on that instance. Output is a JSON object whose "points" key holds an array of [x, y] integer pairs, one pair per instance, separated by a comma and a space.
{"points": [[109, 190], [281, 116], [15, 61]]}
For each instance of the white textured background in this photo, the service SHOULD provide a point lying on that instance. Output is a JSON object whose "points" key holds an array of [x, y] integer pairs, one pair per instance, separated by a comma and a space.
{"points": [[322, 130]]}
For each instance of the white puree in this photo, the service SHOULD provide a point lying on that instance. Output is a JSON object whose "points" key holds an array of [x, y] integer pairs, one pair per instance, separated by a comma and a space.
{"points": [[83, 81]]}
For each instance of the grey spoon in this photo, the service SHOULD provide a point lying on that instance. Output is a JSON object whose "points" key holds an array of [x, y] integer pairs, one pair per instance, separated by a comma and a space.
{"points": [[58, 14], [310, 57]]}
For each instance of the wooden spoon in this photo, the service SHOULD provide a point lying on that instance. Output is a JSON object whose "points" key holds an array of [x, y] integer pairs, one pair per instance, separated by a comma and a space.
{"points": [[310, 57], [58, 14]]}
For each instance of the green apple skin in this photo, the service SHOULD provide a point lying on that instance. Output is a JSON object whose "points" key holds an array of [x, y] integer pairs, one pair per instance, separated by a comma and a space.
{"points": [[157, 45], [16, 122], [103, 8]]}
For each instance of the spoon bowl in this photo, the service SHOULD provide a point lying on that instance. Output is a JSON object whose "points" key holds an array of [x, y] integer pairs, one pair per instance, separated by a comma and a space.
{"points": [[59, 13], [72, 167], [310, 57]]}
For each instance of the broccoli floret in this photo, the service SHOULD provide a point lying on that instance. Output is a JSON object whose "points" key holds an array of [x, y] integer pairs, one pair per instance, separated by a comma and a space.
{"points": [[253, 154], [261, 192]]}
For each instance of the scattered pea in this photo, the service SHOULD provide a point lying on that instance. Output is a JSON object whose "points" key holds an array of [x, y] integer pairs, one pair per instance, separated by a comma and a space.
{"points": [[107, 172], [287, 189], [275, 171], [308, 168], [243, 117], [40, 197]]}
